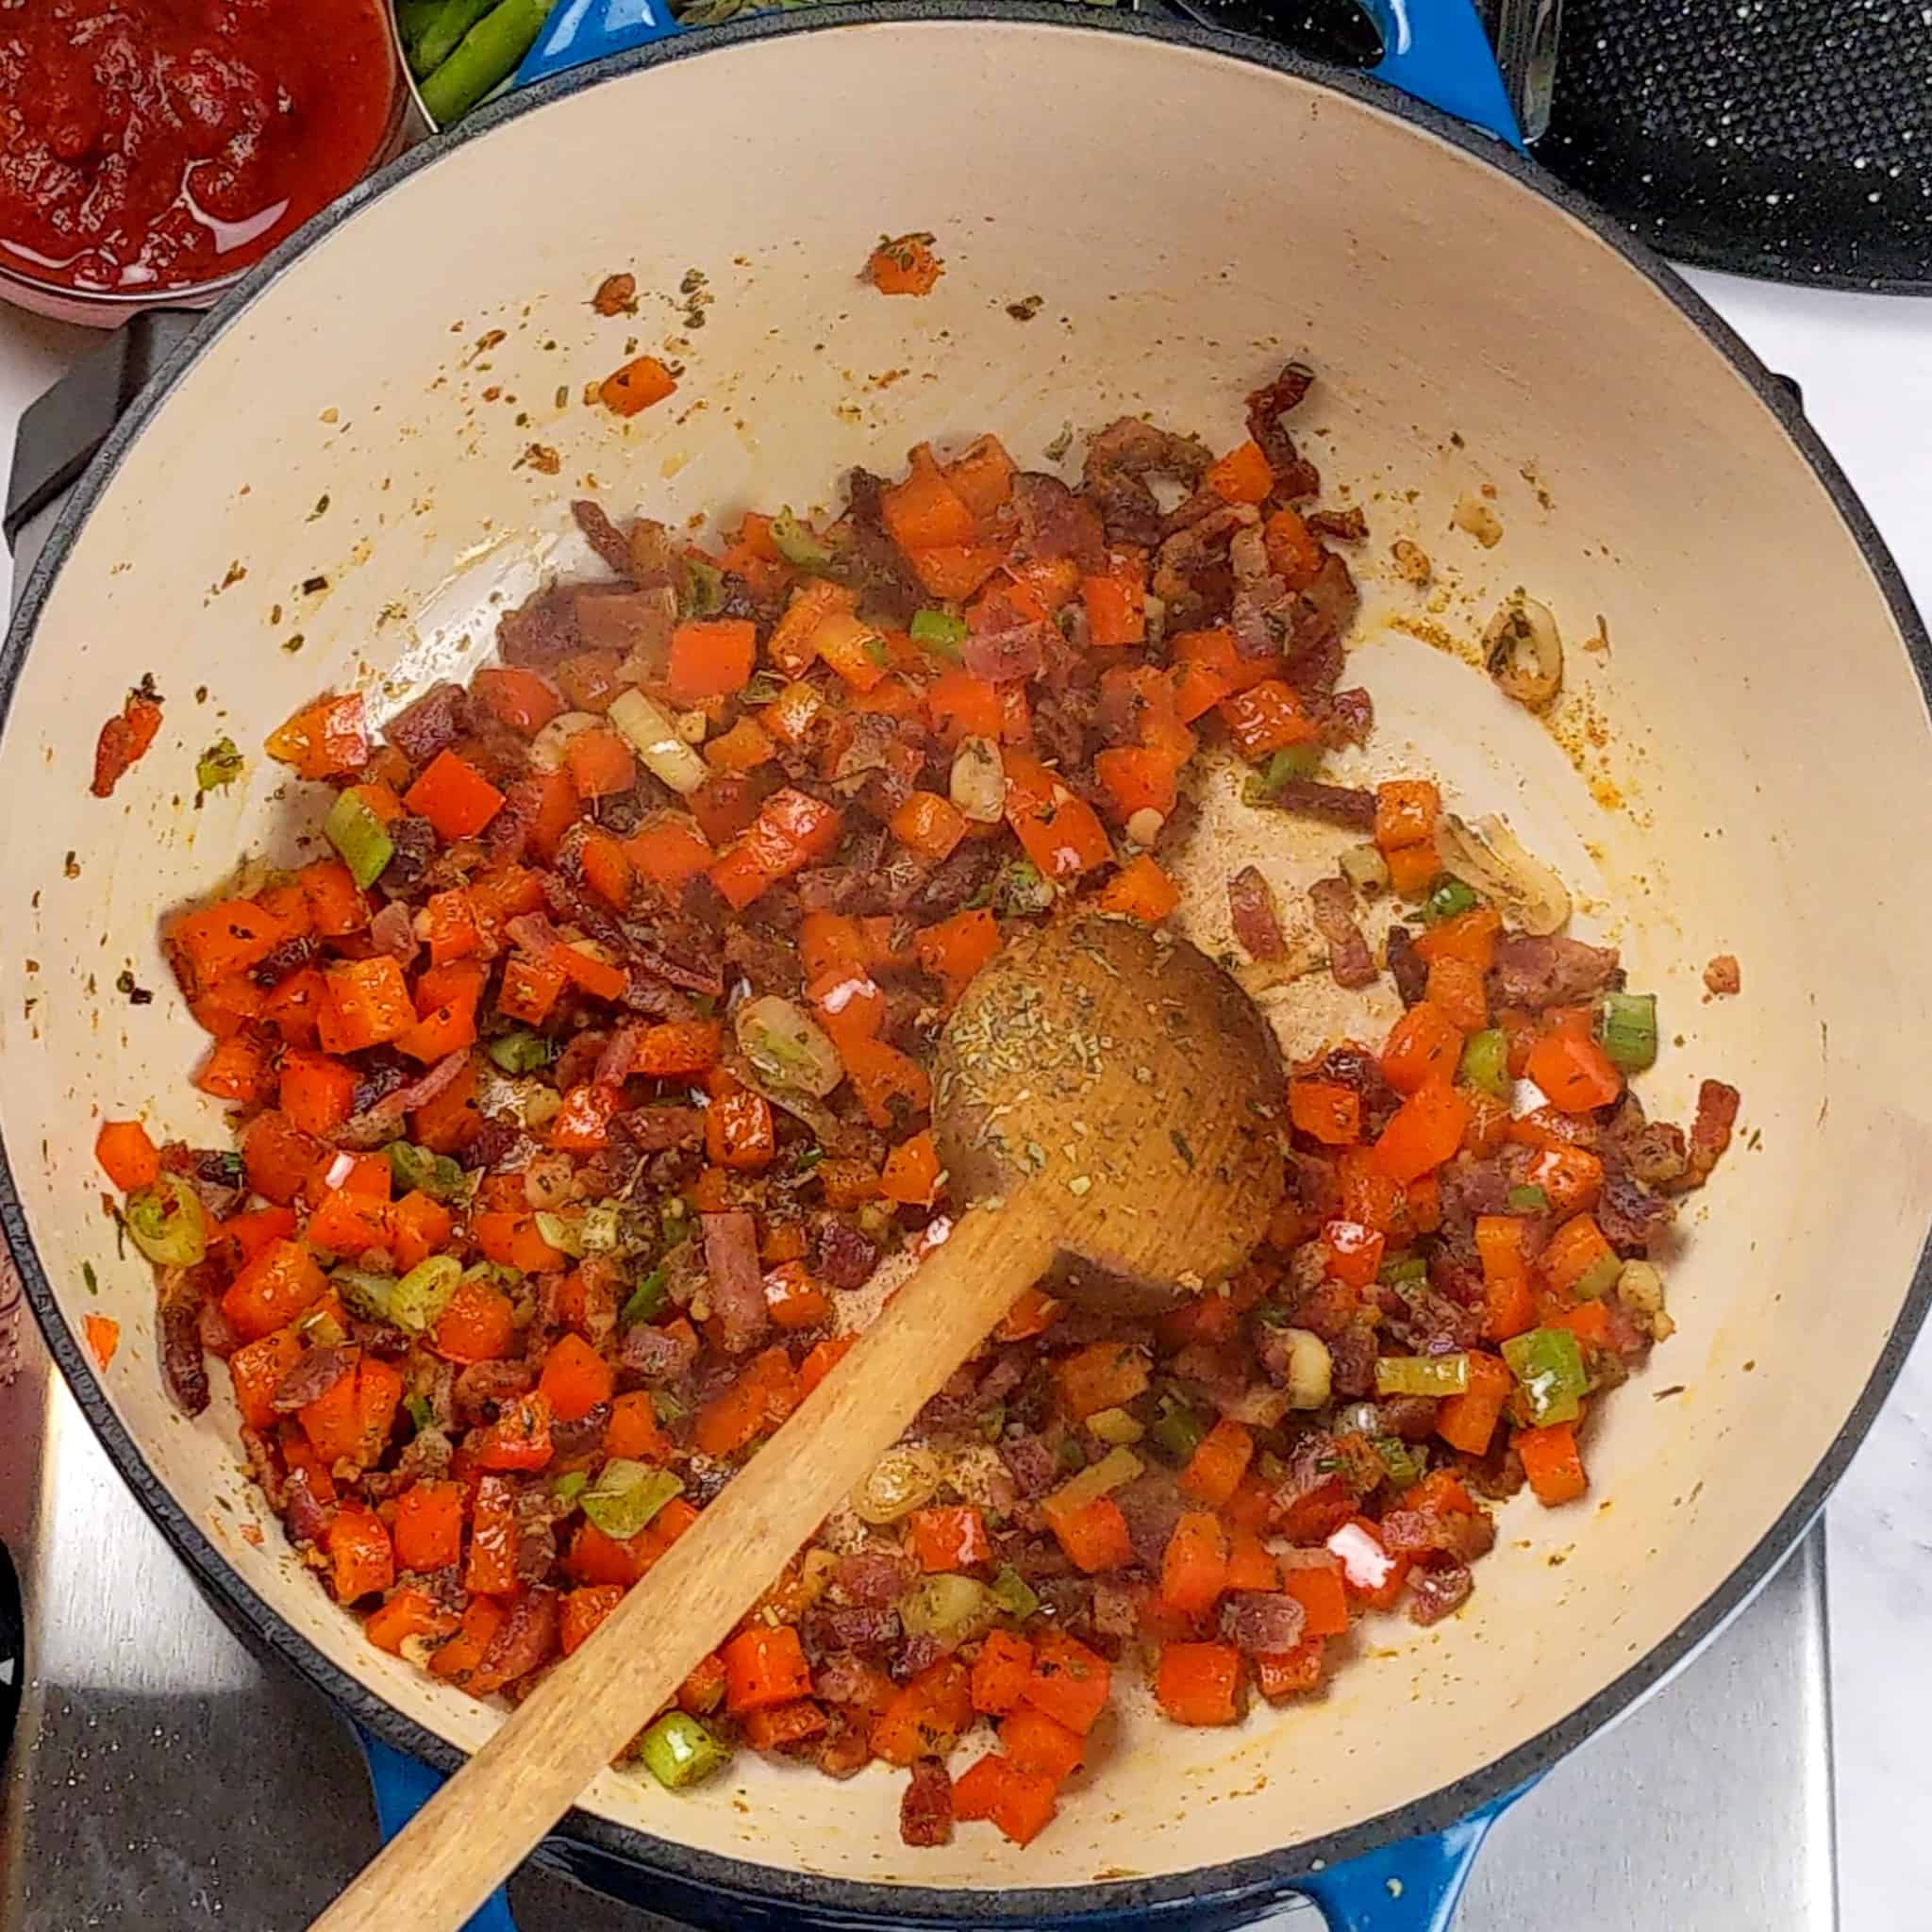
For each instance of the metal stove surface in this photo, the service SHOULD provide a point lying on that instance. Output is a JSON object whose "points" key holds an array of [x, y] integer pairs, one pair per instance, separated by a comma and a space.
{"points": [[165, 1777]]}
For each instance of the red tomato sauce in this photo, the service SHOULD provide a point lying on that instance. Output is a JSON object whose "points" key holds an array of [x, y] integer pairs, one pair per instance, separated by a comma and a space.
{"points": [[148, 144]]}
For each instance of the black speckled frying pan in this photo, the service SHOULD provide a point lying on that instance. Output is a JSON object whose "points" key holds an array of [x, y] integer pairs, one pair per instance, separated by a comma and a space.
{"points": [[1787, 139]]}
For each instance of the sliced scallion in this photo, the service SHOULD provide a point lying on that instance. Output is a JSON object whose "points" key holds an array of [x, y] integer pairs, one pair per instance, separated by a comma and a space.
{"points": [[1526, 1201], [1548, 1366], [1114, 1471], [1598, 1279], [1403, 1462], [678, 1751], [567, 1235], [522, 1052], [647, 1301], [1291, 761], [368, 1294], [952, 1608], [1626, 1025], [797, 544], [1485, 1063], [1022, 888], [319, 1328], [1422, 1375], [416, 1169], [601, 1230], [1448, 899], [1177, 1430], [419, 1297], [938, 631], [1013, 1594], [219, 766], [168, 1222], [700, 587], [360, 837], [626, 1495]]}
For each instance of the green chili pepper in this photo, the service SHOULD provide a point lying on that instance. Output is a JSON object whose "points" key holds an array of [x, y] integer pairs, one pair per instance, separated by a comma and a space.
{"points": [[1486, 1062], [678, 1751], [1526, 1201], [420, 1296], [359, 837], [487, 54], [626, 1495], [522, 1052], [1292, 761], [1012, 1593], [796, 545], [648, 1300], [436, 38], [417, 1170], [570, 1486], [1548, 1365], [1626, 1025], [1422, 1375], [938, 631], [415, 17], [420, 1411], [1448, 897], [168, 1222], [1177, 1430]]}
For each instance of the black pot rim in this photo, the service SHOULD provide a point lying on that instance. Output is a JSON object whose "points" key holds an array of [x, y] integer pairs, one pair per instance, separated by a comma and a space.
{"points": [[1225, 1886]]}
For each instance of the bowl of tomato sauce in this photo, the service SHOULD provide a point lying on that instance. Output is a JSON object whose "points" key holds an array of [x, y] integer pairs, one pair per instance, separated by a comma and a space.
{"points": [[151, 150]]}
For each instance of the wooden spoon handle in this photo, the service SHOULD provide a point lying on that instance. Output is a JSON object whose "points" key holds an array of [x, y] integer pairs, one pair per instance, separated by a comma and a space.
{"points": [[474, 1833]]}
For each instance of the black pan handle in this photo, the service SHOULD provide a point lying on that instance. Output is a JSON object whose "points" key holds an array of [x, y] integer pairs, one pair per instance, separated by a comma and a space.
{"points": [[60, 430]]}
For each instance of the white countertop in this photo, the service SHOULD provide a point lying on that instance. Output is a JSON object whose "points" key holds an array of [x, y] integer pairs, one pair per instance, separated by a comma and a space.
{"points": [[1865, 365]]}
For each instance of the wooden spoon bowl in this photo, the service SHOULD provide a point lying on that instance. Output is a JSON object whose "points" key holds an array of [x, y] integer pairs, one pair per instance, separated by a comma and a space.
{"points": [[1122, 1076]]}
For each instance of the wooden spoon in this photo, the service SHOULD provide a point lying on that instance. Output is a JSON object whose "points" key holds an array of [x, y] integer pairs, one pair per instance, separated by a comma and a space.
{"points": [[1112, 1105]]}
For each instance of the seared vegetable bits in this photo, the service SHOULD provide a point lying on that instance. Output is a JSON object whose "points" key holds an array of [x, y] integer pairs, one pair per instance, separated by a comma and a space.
{"points": [[580, 1088]]}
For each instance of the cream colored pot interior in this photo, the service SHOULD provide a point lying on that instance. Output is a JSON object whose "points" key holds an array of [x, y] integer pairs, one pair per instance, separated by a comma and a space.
{"points": [[378, 452]]}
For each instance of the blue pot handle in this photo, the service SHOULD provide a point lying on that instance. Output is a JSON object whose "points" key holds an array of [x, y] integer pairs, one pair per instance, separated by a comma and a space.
{"points": [[1435, 50], [1438, 51], [403, 1786], [581, 31], [1411, 1885]]}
